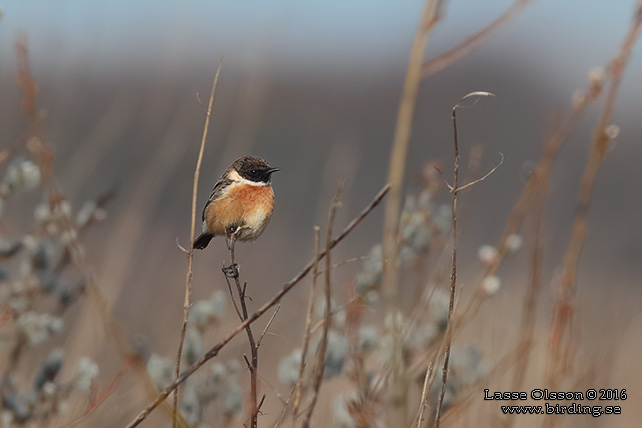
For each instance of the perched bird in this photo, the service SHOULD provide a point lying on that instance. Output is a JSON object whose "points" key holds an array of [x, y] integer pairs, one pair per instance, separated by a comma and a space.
{"points": [[241, 202]]}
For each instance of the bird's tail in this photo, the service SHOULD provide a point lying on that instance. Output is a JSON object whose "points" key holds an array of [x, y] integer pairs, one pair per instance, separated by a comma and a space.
{"points": [[202, 241]]}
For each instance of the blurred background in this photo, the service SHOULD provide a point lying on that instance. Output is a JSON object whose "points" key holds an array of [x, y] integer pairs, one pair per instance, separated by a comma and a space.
{"points": [[314, 89]]}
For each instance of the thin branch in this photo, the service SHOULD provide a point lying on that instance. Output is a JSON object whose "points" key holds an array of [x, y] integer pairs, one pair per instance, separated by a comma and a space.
{"points": [[602, 138], [527, 328], [180, 247], [536, 186], [190, 253], [443, 177], [267, 326], [236, 306], [472, 183], [403, 129], [252, 365], [280, 336], [334, 311], [12, 147], [345, 262], [601, 143], [95, 403], [284, 411], [473, 98], [274, 390], [308, 323], [424, 396], [399, 151], [214, 351], [453, 273], [435, 65], [320, 363]]}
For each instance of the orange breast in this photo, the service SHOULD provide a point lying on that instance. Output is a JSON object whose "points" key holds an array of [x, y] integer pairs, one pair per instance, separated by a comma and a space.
{"points": [[242, 205]]}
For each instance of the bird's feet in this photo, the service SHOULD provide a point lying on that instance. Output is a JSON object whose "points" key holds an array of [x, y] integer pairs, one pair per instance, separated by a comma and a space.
{"points": [[231, 271]]}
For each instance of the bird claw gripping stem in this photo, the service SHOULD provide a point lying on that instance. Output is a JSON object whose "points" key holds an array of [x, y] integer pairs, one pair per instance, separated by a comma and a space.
{"points": [[231, 271]]}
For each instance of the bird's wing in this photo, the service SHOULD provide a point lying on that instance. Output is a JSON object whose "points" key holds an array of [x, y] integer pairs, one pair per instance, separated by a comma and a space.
{"points": [[217, 192]]}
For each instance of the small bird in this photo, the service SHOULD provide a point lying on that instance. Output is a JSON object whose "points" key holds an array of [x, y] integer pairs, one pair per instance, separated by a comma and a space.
{"points": [[241, 203]]}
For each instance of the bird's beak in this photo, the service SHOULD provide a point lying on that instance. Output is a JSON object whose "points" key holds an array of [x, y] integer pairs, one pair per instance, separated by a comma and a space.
{"points": [[271, 170]]}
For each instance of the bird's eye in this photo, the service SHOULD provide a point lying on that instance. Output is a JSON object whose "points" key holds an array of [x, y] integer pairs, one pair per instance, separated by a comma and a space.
{"points": [[253, 172]]}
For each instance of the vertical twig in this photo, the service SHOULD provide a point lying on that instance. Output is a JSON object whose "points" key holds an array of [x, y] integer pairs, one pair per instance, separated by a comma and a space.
{"points": [[190, 253], [308, 323], [536, 186], [453, 273], [399, 151], [424, 396], [563, 310], [320, 363], [400, 143], [284, 410], [527, 328], [232, 271]]}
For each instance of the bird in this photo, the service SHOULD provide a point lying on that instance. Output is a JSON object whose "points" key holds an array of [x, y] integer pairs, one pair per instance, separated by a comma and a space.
{"points": [[241, 203]]}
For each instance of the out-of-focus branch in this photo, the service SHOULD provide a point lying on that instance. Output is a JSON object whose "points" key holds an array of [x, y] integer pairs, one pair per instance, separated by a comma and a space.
{"points": [[536, 187], [399, 151], [603, 134], [435, 65], [396, 172]]}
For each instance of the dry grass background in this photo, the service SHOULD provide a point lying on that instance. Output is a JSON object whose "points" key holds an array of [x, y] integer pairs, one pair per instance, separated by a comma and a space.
{"points": [[137, 130]]}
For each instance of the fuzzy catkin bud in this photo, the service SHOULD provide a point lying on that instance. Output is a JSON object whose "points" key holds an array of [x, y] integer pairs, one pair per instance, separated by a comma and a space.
{"points": [[513, 243], [49, 369], [86, 372], [487, 254], [612, 131], [596, 76], [22, 176], [490, 285]]}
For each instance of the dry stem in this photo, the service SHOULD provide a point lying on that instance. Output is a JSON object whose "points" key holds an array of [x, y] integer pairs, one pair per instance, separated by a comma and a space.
{"points": [[320, 363], [190, 253], [453, 274], [400, 143], [308, 324], [253, 364], [401, 140], [213, 352], [563, 310], [424, 396], [94, 403], [527, 328], [435, 65], [535, 188]]}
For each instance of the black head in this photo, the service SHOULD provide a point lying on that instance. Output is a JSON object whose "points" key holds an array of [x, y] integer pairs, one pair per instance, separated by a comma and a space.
{"points": [[254, 169]]}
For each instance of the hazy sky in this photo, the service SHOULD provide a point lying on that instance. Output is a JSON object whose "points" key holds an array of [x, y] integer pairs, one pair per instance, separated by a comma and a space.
{"points": [[370, 33]]}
